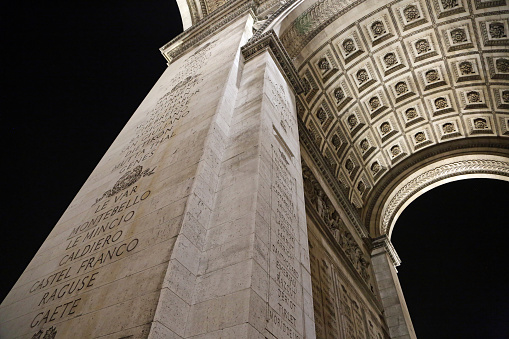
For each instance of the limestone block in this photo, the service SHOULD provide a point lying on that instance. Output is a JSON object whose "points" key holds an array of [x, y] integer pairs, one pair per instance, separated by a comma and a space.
{"points": [[229, 231], [159, 331], [234, 332], [227, 254], [219, 313], [173, 312]]}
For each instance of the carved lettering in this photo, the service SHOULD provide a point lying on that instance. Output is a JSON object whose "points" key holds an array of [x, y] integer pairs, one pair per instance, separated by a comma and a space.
{"points": [[108, 255], [53, 278], [75, 285], [285, 312], [55, 313], [159, 126], [278, 99]]}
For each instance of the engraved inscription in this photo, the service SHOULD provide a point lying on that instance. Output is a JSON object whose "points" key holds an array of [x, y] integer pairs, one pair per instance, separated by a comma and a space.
{"points": [[55, 313], [98, 241], [102, 235], [160, 122], [284, 312], [278, 99]]}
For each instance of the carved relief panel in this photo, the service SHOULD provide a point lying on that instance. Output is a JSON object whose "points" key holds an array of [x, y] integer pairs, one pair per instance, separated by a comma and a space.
{"points": [[449, 129], [444, 9], [494, 31], [340, 94], [390, 60], [378, 28], [422, 46], [349, 45], [325, 65], [466, 69], [501, 95], [459, 37]]}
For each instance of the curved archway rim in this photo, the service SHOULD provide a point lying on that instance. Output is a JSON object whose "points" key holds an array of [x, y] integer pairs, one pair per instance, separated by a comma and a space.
{"points": [[434, 174], [441, 182], [372, 211]]}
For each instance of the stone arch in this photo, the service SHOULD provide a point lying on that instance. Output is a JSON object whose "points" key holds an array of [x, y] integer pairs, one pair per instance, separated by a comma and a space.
{"points": [[451, 131], [462, 168], [403, 122], [410, 184]]}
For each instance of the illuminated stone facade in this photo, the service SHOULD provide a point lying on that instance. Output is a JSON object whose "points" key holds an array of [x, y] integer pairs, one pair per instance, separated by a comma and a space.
{"points": [[254, 191]]}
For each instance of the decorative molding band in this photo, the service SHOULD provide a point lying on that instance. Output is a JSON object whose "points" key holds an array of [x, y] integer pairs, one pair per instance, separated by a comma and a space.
{"points": [[284, 4], [332, 181], [385, 243], [195, 16], [457, 147], [211, 24], [333, 228], [307, 25], [270, 41], [318, 201], [478, 166], [203, 7]]}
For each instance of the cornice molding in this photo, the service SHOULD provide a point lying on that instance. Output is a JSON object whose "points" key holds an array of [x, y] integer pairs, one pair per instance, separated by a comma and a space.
{"points": [[284, 4], [205, 28], [385, 243], [270, 41]]}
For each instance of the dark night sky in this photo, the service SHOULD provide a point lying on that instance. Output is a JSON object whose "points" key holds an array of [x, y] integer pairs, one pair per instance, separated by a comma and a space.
{"points": [[453, 244], [74, 72]]}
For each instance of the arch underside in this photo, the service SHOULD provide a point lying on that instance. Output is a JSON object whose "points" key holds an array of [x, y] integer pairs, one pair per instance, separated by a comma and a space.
{"points": [[434, 175], [391, 84], [387, 83]]}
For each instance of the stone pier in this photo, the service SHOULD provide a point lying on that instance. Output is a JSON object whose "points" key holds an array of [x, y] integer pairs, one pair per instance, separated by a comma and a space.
{"points": [[254, 191]]}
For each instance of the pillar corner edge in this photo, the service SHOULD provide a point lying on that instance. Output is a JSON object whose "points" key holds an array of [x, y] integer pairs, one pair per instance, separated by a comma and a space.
{"points": [[383, 244], [269, 41]]}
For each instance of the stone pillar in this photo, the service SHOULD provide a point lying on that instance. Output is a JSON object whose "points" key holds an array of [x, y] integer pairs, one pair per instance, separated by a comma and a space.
{"points": [[193, 225], [253, 278], [384, 260]]}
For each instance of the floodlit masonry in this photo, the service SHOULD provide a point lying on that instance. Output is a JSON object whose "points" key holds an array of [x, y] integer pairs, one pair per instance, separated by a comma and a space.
{"points": [[254, 192]]}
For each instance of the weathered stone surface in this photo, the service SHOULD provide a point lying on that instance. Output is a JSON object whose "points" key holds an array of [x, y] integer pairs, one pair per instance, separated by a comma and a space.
{"points": [[126, 253], [234, 205]]}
